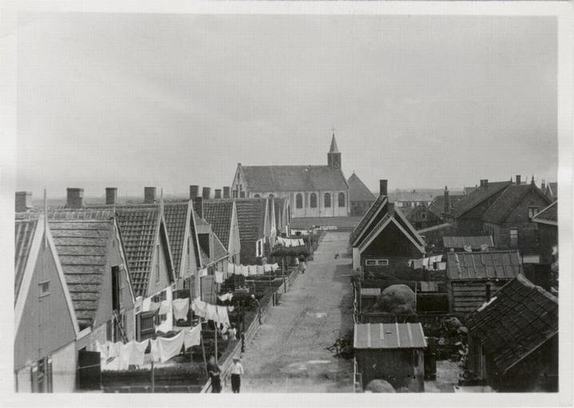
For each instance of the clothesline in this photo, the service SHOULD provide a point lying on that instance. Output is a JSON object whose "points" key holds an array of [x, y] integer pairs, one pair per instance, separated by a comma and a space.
{"points": [[133, 353], [247, 270], [215, 313], [290, 242], [434, 263]]}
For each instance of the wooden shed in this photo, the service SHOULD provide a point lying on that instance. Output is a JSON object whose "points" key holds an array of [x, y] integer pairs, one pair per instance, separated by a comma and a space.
{"points": [[393, 352]]}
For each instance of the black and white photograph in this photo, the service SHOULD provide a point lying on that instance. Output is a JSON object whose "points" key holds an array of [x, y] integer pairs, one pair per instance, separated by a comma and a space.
{"points": [[289, 203]]}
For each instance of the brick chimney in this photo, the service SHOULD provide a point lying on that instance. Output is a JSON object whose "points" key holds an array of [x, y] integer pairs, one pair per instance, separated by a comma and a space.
{"points": [[23, 201], [193, 192], [446, 202], [226, 191], [149, 195], [111, 195], [198, 206], [206, 193], [75, 198], [217, 193], [518, 179], [383, 187]]}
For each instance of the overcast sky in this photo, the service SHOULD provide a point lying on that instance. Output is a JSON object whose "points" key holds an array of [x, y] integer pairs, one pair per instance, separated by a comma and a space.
{"points": [[130, 100]]}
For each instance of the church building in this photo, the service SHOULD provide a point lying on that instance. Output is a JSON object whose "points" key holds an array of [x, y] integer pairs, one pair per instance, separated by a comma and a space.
{"points": [[312, 191]]}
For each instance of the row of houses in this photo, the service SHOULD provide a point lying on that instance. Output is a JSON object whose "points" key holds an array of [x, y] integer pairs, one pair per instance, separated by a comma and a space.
{"points": [[492, 257], [84, 273]]}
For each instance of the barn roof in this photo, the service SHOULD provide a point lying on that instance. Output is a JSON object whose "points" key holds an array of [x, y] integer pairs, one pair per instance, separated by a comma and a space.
{"points": [[475, 242], [251, 218], [516, 322], [508, 200], [81, 238], [548, 215], [293, 178], [478, 196], [25, 230], [389, 336], [358, 191], [483, 265], [218, 213]]}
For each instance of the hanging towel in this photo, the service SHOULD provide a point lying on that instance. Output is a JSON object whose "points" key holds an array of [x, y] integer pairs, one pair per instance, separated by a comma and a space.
{"points": [[192, 337], [222, 317], [203, 272], [114, 349], [252, 269], [226, 296], [244, 270], [164, 308], [137, 352], [260, 270], [155, 353], [169, 348], [103, 350], [274, 267], [267, 268], [146, 304], [218, 277], [426, 262], [442, 266], [180, 309], [211, 312], [199, 307], [230, 269], [154, 307]]}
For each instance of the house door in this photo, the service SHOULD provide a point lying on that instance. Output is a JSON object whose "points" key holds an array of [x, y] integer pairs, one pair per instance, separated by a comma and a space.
{"points": [[89, 370]]}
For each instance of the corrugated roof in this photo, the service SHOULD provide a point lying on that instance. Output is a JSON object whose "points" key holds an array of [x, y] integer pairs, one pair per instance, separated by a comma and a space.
{"points": [[522, 317], [389, 336], [508, 200], [478, 196], [293, 178], [251, 218], [81, 239], [175, 215], [24, 230], [358, 191], [548, 215], [138, 227], [474, 242], [218, 213], [483, 265]]}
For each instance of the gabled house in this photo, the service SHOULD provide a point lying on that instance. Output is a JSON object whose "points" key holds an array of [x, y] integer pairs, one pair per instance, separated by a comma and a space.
{"points": [[92, 256], [468, 212], [443, 206], [475, 277], [254, 229], [282, 215], [509, 219], [421, 217], [312, 190], [222, 216], [360, 197], [46, 327], [547, 225], [384, 237], [513, 339], [551, 190]]}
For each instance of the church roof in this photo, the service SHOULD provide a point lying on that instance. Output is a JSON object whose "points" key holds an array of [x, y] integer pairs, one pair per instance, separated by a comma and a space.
{"points": [[293, 178], [334, 148], [358, 191]]}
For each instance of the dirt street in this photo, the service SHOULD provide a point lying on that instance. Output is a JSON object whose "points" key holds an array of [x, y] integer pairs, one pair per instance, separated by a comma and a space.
{"points": [[288, 354]]}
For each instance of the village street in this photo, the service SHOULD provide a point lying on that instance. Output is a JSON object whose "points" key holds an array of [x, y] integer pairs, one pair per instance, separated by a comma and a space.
{"points": [[289, 353]]}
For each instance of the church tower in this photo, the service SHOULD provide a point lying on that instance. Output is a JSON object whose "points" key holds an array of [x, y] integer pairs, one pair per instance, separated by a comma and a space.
{"points": [[334, 156]]}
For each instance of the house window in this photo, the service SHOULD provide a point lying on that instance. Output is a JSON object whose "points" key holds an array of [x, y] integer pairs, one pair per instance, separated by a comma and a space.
{"points": [[299, 200], [532, 211], [44, 288], [377, 262], [513, 237], [313, 200], [116, 285], [327, 200], [341, 200]]}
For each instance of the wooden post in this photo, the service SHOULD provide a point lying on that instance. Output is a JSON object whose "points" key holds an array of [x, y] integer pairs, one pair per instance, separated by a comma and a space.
{"points": [[203, 351], [283, 273], [152, 377], [216, 356]]}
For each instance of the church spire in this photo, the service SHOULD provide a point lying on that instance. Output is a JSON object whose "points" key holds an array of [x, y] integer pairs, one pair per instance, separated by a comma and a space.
{"points": [[334, 148], [334, 156]]}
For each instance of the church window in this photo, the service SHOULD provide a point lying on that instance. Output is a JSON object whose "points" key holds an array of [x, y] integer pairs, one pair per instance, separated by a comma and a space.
{"points": [[313, 200], [341, 199], [327, 200], [299, 200]]}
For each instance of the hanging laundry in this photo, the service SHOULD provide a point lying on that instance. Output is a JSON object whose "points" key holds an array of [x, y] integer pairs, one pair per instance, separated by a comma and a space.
{"points": [[103, 350], [165, 307], [154, 350], [211, 312], [146, 304], [169, 348], [199, 307], [154, 307], [230, 268], [260, 270], [244, 270], [226, 296], [137, 352], [442, 266], [203, 272], [425, 262], [165, 326], [275, 266], [468, 248], [252, 269], [222, 316], [180, 308], [218, 277], [192, 337], [114, 349]]}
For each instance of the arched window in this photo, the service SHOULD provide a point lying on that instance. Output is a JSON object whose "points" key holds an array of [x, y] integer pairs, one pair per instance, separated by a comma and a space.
{"points": [[299, 200], [341, 199], [313, 200], [327, 200]]}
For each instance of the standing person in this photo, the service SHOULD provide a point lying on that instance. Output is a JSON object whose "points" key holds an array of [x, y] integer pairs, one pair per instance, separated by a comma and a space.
{"points": [[214, 374], [236, 373], [302, 265]]}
